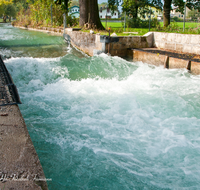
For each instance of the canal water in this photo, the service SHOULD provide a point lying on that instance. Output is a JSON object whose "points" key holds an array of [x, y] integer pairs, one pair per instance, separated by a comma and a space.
{"points": [[103, 122]]}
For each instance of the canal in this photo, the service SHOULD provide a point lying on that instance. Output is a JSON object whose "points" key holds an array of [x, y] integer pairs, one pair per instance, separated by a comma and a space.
{"points": [[104, 122]]}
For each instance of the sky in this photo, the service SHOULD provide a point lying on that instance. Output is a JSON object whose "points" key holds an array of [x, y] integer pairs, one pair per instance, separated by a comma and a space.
{"points": [[101, 1]]}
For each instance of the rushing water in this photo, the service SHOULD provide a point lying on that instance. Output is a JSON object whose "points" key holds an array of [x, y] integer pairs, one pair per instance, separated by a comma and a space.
{"points": [[102, 122]]}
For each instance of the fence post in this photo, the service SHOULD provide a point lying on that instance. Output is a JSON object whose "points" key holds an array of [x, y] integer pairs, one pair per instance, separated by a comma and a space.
{"points": [[125, 22], [184, 17], [149, 19], [64, 21]]}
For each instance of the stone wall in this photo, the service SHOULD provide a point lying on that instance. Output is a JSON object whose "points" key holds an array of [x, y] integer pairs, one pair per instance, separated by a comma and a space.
{"points": [[125, 43], [86, 42], [119, 46], [186, 43]]}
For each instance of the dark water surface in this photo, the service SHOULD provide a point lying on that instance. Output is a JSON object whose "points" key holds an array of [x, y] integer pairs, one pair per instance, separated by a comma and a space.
{"points": [[103, 122]]}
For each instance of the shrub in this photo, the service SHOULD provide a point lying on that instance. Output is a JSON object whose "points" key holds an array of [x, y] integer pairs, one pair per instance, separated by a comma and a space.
{"points": [[138, 23], [72, 21]]}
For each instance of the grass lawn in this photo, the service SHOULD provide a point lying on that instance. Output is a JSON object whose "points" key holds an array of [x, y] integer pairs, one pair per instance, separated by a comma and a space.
{"points": [[187, 24], [179, 24], [1, 20], [112, 24], [118, 27]]}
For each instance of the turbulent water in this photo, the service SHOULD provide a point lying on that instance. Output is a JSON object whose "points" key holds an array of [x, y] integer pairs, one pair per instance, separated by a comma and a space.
{"points": [[103, 122]]}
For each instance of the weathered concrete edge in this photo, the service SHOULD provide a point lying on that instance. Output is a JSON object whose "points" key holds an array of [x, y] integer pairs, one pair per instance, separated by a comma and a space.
{"points": [[20, 167], [52, 32], [167, 62]]}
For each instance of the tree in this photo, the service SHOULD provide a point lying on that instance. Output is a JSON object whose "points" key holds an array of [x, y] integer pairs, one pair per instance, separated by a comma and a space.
{"points": [[89, 13], [10, 11], [64, 4], [194, 14], [74, 3], [133, 8], [191, 4], [3, 7]]}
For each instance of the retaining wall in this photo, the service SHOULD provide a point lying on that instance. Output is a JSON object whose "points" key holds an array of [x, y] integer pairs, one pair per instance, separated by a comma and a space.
{"points": [[119, 46], [86, 42], [186, 43]]}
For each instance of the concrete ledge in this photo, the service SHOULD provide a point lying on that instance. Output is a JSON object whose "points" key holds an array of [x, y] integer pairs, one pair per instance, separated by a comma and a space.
{"points": [[147, 57], [175, 63], [20, 167], [195, 67], [51, 31], [167, 62]]}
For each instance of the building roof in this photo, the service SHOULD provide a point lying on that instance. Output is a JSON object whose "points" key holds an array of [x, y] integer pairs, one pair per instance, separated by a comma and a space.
{"points": [[74, 7]]}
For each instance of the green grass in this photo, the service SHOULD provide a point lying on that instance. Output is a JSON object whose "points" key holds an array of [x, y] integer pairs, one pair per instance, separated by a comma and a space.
{"points": [[112, 24], [187, 24], [1, 20], [179, 24], [175, 27]]}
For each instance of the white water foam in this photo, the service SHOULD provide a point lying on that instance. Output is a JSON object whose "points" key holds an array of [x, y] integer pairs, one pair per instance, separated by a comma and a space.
{"points": [[144, 126]]}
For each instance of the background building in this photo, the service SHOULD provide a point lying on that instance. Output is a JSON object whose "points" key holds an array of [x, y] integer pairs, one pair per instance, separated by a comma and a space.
{"points": [[74, 11], [106, 12]]}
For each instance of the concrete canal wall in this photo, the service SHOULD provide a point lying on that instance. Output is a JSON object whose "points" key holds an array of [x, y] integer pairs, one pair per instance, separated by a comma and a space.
{"points": [[118, 46], [93, 43], [186, 43], [124, 46], [20, 167]]}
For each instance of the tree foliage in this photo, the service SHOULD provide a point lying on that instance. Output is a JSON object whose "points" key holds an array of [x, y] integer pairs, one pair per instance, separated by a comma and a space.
{"points": [[74, 3], [194, 15], [38, 12], [131, 6], [7, 9]]}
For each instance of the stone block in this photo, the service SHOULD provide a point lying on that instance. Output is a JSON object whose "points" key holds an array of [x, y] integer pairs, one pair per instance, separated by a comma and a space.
{"points": [[171, 37], [178, 38], [195, 39], [136, 39], [187, 48], [147, 57], [179, 47], [196, 49], [195, 68], [186, 39], [170, 46], [116, 45], [122, 39], [164, 37], [97, 38], [149, 38], [175, 63], [157, 36]]}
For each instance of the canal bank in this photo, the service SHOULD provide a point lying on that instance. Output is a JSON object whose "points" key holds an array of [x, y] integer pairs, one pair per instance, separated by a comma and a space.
{"points": [[20, 167], [136, 47]]}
